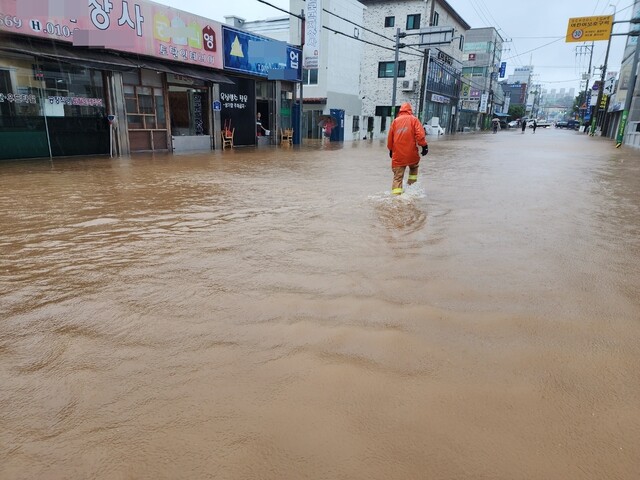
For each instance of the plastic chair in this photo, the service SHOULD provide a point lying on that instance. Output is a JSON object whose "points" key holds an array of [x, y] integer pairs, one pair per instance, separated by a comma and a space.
{"points": [[227, 138], [286, 136]]}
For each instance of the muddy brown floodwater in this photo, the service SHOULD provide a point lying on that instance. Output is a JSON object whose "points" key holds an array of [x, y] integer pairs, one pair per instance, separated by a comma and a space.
{"points": [[276, 314]]}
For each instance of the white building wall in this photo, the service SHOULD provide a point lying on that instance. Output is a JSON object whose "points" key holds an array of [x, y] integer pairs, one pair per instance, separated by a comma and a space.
{"points": [[453, 49], [339, 60], [379, 91], [343, 54]]}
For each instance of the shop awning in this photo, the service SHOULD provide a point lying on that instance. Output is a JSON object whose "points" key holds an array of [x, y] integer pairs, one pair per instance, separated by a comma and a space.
{"points": [[179, 69], [202, 73], [86, 57]]}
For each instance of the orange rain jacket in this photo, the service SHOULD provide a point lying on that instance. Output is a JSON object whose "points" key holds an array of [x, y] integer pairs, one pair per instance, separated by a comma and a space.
{"points": [[405, 132]]}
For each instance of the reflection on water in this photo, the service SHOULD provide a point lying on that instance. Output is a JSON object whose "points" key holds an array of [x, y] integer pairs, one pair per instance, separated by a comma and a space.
{"points": [[276, 313]]}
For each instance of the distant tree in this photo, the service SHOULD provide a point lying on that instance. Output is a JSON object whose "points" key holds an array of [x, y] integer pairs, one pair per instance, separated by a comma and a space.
{"points": [[516, 111], [579, 100]]}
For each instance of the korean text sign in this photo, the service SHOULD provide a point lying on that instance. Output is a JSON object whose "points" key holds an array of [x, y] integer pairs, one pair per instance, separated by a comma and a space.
{"points": [[133, 26], [587, 29]]}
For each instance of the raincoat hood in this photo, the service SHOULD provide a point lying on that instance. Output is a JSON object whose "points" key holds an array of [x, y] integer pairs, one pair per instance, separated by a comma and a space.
{"points": [[406, 108]]}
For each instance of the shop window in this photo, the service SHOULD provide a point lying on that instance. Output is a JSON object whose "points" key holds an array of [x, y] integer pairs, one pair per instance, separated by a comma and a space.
{"points": [[355, 127], [38, 95], [161, 118], [144, 105], [385, 69]]}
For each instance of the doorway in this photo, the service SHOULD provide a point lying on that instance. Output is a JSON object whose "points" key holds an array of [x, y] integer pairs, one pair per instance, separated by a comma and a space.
{"points": [[190, 128], [266, 107]]}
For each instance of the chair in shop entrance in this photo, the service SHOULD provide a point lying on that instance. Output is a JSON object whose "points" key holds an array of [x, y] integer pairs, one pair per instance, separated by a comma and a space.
{"points": [[286, 136], [227, 138]]}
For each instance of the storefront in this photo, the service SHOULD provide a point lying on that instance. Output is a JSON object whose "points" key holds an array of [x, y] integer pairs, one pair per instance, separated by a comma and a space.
{"points": [[189, 102], [50, 108], [139, 77], [153, 79], [442, 91], [144, 96], [267, 71]]}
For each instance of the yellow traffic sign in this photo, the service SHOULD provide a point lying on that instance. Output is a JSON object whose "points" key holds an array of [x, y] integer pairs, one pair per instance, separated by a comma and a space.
{"points": [[588, 29]]}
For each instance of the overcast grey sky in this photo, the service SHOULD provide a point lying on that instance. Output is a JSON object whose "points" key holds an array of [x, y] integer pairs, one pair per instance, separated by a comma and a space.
{"points": [[533, 31]]}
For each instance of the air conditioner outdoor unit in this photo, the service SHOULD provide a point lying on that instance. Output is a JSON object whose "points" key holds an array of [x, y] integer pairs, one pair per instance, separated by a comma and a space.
{"points": [[408, 85]]}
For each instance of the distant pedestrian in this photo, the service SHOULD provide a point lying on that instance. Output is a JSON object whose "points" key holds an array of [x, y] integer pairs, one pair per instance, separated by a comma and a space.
{"points": [[405, 134], [534, 125], [524, 125], [260, 130]]}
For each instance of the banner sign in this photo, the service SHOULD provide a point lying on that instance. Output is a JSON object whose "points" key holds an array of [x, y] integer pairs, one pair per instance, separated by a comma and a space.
{"points": [[440, 98], [261, 56], [609, 83], [471, 105], [588, 29], [483, 103], [133, 26], [312, 34], [503, 69]]}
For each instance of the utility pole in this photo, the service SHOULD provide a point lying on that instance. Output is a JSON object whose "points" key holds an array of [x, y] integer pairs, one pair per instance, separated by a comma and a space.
{"points": [[399, 45], [587, 78], [491, 74], [600, 117], [395, 73]]}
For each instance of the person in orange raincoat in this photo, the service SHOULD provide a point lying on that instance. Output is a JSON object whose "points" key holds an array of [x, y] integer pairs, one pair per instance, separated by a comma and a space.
{"points": [[405, 134]]}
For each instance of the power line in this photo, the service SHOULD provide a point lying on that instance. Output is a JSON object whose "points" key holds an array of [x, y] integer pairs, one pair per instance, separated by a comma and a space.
{"points": [[537, 48], [370, 43], [366, 29]]}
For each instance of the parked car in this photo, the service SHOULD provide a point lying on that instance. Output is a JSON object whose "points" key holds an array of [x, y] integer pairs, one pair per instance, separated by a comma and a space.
{"points": [[571, 124], [512, 124]]}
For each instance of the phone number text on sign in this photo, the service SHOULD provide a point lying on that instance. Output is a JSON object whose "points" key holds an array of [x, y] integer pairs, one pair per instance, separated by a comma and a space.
{"points": [[78, 101], [10, 21]]}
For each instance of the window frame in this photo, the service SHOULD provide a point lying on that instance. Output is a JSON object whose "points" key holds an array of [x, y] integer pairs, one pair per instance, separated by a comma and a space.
{"points": [[413, 17], [389, 21], [402, 67], [307, 76]]}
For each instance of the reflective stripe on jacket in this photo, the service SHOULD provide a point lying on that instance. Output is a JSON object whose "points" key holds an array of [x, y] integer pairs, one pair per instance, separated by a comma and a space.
{"points": [[405, 134]]}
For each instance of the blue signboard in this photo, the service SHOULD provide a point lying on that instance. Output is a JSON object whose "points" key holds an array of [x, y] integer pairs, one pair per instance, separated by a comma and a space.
{"points": [[503, 69], [264, 57]]}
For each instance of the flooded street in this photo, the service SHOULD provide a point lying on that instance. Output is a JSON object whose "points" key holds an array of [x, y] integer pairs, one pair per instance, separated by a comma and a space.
{"points": [[276, 314]]}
